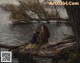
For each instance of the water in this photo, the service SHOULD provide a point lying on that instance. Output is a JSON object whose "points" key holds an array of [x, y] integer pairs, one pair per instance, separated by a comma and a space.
{"points": [[20, 34]]}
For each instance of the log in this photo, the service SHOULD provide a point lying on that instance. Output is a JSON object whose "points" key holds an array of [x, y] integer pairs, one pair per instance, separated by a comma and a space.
{"points": [[11, 47], [45, 50], [7, 47]]}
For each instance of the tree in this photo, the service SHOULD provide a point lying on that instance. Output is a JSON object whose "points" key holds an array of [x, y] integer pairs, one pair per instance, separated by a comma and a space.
{"points": [[29, 10], [74, 16]]}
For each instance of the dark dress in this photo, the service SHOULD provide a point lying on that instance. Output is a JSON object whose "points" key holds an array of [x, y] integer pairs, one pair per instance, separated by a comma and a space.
{"points": [[35, 37], [42, 38]]}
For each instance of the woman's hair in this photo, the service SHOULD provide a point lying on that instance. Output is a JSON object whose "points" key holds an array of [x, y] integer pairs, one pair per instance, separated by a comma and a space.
{"points": [[46, 30]]}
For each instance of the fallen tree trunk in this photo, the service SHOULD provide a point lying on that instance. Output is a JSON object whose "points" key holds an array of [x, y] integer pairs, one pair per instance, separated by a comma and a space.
{"points": [[34, 49], [11, 47], [46, 50]]}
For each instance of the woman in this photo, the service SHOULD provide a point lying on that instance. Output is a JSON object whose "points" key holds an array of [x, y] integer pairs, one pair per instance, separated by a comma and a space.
{"points": [[44, 35], [35, 36], [41, 35]]}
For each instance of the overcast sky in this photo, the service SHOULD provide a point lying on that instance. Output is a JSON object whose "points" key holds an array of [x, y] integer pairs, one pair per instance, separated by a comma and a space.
{"points": [[9, 2], [15, 1]]}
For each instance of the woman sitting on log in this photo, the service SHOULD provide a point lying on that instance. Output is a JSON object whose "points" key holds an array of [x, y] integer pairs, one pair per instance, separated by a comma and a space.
{"points": [[41, 35]]}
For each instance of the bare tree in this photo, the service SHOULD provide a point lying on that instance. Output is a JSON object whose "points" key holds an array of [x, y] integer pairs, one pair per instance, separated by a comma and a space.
{"points": [[29, 10], [74, 16]]}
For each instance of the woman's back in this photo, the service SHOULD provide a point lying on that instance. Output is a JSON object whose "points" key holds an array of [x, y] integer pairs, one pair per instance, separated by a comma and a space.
{"points": [[43, 35]]}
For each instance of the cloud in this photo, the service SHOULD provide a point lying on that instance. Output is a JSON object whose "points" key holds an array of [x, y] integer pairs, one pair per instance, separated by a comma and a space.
{"points": [[15, 2]]}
